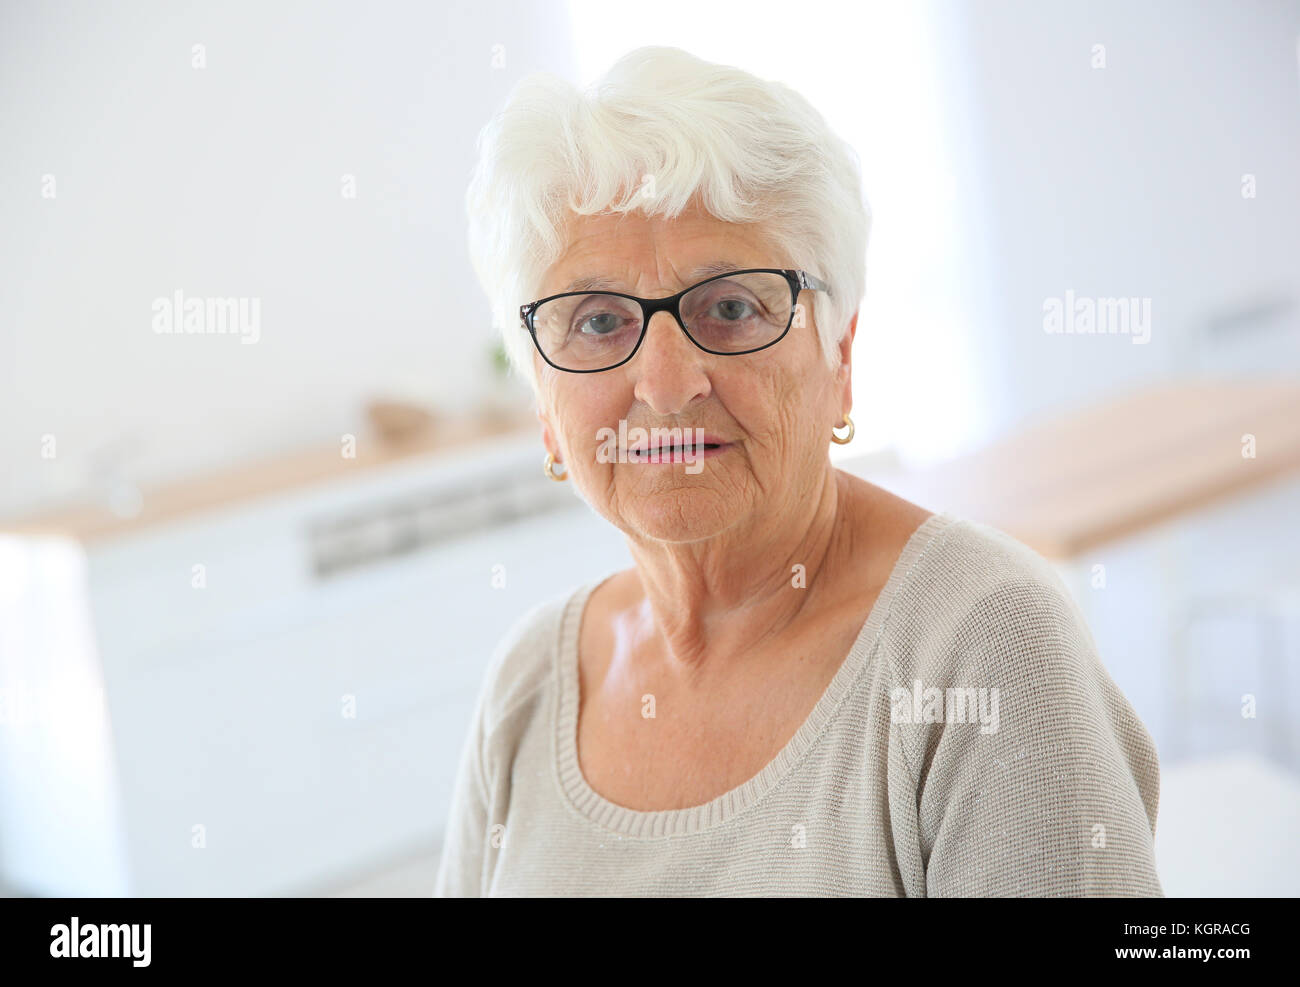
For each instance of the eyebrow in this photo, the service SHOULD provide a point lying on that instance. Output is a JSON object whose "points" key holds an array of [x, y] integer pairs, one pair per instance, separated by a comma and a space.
{"points": [[597, 282]]}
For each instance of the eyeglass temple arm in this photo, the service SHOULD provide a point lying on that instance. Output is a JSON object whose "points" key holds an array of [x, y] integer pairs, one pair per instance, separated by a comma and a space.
{"points": [[807, 281]]}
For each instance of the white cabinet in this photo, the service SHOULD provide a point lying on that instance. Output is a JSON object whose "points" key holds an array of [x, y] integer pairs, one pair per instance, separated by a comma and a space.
{"points": [[227, 689]]}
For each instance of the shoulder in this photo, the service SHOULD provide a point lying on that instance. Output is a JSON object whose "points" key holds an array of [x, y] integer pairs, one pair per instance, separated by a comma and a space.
{"points": [[975, 596], [986, 558], [986, 615], [1019, 747], [522, 662]]}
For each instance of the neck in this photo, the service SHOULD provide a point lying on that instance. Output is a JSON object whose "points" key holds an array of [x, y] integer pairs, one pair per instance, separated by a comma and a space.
{"points": [[716, 601]]}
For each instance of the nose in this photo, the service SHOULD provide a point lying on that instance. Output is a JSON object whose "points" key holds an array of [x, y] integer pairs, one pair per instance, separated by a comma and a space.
{"points": [[669, 369]]}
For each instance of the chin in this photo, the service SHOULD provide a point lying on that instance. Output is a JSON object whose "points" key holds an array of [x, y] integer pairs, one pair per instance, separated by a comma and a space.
{"points": [[679, 512]]}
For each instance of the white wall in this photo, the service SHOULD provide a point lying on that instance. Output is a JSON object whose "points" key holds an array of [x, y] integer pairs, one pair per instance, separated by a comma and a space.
{"points": [[1127, 181], [226, 181]]}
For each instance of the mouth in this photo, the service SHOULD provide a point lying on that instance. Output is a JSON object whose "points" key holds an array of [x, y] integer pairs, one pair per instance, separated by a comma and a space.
{"points": [[677, 453]]}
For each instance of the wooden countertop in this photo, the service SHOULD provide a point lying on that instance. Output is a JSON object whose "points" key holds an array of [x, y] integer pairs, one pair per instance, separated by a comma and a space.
{"points": [[171, 502], [1080, 479], [1062, 486]]}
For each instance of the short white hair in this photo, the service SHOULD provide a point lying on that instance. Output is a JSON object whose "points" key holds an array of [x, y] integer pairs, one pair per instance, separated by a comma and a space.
{"points": [[661, 128]]}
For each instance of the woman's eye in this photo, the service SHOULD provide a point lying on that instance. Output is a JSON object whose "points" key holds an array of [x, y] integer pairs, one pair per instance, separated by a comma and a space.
{"points": [[732, 309], [599, 325]]}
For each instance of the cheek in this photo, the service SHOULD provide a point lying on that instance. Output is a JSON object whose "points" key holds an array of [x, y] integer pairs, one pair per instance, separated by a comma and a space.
{"points": [[582, 408], [776, 408], [768, 402]]}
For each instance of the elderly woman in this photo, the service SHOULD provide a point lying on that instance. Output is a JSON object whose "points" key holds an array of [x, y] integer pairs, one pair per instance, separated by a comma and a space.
{"points": [[805, 685]]}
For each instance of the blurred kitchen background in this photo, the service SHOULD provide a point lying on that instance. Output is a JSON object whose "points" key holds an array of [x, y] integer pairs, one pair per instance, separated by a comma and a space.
{"points": [[249, 583]]}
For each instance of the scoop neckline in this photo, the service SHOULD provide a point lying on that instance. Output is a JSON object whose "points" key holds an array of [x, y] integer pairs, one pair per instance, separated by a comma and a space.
{"points": [[594, 807]]}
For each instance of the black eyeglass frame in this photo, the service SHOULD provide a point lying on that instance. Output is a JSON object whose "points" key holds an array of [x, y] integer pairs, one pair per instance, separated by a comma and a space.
{"points": [[798, 281]]}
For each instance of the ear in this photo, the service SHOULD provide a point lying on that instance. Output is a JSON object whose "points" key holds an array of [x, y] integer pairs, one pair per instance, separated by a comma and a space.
{"points": [[548, 437], [548, 432], [844, 373]]}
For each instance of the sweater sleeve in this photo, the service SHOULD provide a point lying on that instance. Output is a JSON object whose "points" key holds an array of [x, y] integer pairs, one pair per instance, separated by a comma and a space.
{"points": [[520, 662], [460, 870], [1053, 789]]}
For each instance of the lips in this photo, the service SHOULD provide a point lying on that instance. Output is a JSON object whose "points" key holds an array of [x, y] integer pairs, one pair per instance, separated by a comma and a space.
{"points": [[710, 442], [663, 450], [677, 453]]}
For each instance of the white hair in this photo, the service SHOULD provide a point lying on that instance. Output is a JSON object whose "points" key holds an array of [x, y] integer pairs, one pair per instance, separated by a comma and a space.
{"points": [[661, 128]]}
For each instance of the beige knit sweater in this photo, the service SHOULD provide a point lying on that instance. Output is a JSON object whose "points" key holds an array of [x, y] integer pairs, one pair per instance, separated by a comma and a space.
{"points": [[971, 743]]}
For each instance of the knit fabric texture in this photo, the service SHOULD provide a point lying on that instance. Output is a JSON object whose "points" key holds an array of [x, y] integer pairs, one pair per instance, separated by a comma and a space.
{"points": [[970, 744]]}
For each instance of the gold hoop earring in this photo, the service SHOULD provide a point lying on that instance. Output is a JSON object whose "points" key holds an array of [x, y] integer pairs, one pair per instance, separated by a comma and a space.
{"points": [[848, 438], [546, 468]]}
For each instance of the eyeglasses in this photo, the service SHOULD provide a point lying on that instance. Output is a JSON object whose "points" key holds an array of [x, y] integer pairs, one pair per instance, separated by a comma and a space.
{"points": [[583, 332]]}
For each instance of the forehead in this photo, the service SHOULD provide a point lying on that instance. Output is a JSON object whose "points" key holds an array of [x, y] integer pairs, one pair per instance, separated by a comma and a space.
{"points": [[615, 251]]}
